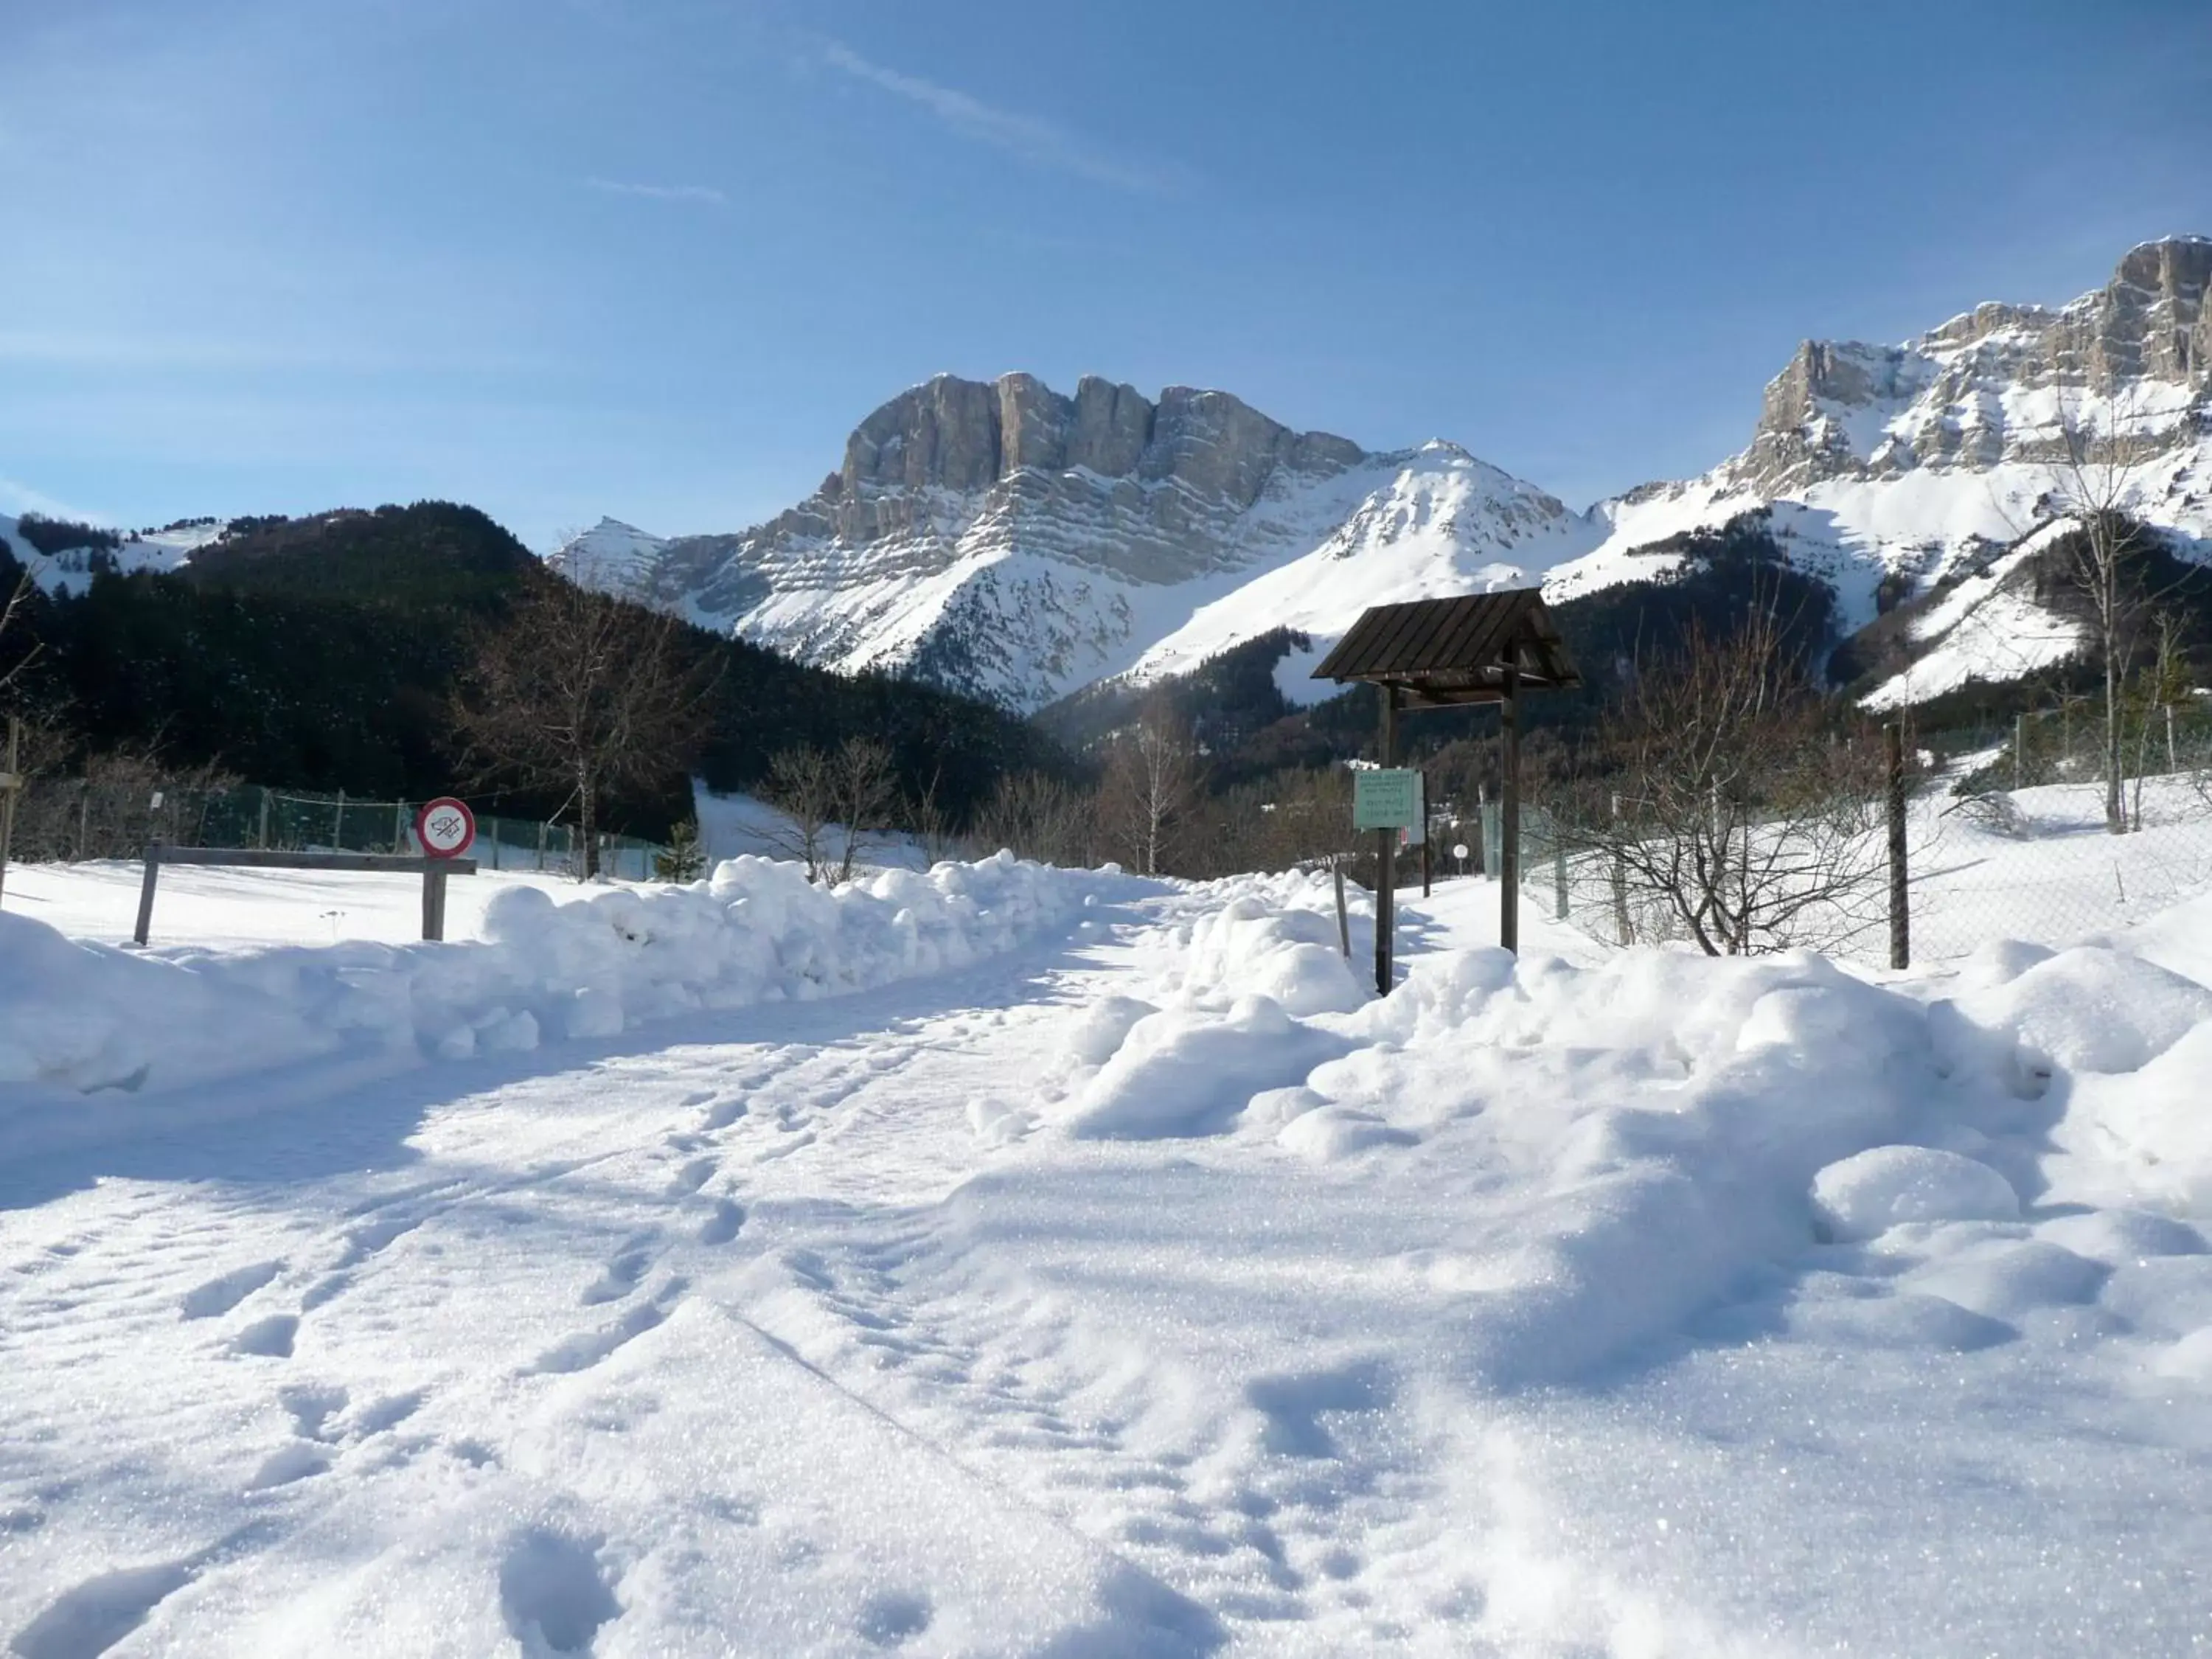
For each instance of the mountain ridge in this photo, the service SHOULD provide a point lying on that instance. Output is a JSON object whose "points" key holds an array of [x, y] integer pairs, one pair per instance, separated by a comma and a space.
{"points": [[1018, 543]]}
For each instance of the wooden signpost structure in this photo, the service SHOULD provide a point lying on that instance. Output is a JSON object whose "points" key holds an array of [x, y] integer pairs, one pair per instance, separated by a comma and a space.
{"points": [[1441, 654], [444, 828]]}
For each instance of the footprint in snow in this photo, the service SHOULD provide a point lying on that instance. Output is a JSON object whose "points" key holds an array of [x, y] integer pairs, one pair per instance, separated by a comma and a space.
{"points": [[585, 1349], [220, 1295], [267, 1339], [556, 1591], [101, 1611], [722, 1226], [692, 1176], [620, 1275], [312, 1409]]}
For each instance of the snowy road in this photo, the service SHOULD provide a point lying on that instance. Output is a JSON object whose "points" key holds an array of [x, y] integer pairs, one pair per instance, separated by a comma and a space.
{"points": [[905, 1321]]}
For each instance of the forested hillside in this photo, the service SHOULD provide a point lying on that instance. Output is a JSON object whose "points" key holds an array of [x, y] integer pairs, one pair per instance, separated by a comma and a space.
{"points": [[323, 653]]}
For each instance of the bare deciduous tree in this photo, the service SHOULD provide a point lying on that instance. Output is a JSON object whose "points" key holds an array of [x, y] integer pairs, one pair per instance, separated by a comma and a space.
{"points": [[1150, 788], [1728, 809], [836, 803], [2107, 442], [582, 691], [1039, 818], [12, 614]]}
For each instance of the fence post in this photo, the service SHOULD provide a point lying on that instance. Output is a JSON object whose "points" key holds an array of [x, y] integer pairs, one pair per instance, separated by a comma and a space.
{"points": [[146, 892], [2173, 763], [1620, 879], [337, 825], [1343, 920], [2019, 748], [399, 826], [1901, 913], [541, 846], [261, 835], [83, 815], [11, 786], [495, 843], [1559, 873]]}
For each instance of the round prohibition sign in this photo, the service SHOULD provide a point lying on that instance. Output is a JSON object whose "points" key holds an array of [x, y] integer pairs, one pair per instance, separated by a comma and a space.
{"points": [[446, 828]]}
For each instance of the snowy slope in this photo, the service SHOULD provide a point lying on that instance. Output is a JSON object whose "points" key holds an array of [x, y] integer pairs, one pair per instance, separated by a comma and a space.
{"points": [[1444, 523], [612, 556], [1138, 1286], [69, 569]]}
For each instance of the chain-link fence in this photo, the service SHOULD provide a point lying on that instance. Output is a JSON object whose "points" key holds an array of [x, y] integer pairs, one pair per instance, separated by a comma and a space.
{"points": [[115, 811], [1983, 860]]}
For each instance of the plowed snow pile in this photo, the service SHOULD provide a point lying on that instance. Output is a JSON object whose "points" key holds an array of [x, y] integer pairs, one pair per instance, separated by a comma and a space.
{"points": [[1103, 1269]]}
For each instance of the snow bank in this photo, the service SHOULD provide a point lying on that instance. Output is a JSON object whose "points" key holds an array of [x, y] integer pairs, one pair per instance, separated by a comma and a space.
{"points": [[82, 1016], [1866, 1194]]}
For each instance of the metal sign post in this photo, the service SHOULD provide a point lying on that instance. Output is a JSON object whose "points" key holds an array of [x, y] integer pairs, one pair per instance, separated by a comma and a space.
{"points": [[446, 829]]}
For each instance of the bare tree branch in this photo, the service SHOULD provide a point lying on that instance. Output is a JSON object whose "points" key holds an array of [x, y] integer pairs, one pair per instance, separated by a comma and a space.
{"points": [[583, 692]]}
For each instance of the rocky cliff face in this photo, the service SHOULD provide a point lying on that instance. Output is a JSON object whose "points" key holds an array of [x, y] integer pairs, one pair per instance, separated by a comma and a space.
{"points": [[1960, 395]]}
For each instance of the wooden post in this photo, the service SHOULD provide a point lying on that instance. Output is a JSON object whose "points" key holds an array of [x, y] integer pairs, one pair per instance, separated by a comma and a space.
{"points": [[11, 786], [1620, 880], [2172, 760], [1900, 914], [337, 825], [146, 893], [1343, 918], [261, 835], [434, 903], [1386, 859], [541, 846], [83, 815], [1508, 840], [399, 826], [2019, 748], [495, 843]]}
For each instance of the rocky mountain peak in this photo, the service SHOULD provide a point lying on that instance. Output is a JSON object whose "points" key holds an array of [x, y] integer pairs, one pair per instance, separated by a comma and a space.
{"points": [[964, 435], [1845, 409]]}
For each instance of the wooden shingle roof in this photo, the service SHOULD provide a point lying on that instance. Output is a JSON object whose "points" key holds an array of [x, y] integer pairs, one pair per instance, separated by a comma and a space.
{"points": [[1455, 650]]}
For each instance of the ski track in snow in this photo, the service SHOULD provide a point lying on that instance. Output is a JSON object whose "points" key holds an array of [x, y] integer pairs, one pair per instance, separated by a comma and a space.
{"points": [[501, 1358]]}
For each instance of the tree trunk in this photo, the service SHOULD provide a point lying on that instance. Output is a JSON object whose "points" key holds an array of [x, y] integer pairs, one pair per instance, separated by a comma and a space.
{"points": [[587, 828], [2116, 809]]}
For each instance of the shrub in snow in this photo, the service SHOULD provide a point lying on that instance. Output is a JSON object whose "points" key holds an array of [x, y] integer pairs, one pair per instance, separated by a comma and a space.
{"points": [[1865, 1195]]}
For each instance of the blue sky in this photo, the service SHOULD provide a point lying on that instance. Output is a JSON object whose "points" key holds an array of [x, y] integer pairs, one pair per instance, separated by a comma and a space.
{"points": [[655, 258]]}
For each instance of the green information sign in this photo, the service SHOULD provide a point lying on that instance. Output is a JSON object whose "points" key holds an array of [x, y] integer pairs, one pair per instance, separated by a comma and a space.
{"points": [[1386, 798]]}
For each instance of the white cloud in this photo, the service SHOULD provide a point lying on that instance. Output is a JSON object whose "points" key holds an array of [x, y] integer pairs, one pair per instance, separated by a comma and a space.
{"points": [[18, 499], [703, 193], [1037, 141]]}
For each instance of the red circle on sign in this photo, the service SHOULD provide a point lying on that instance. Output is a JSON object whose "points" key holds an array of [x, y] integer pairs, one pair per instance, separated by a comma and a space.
{"points": [[446, 828]]}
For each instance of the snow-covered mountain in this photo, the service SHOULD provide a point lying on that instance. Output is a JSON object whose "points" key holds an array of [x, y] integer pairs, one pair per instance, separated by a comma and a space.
{"points": [[70, 568], [1928, 469], [1012, 541], [1009, 541]]}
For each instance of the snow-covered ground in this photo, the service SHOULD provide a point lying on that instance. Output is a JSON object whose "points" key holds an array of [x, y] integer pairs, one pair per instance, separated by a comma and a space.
{"points": [[1014, 1262]]}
